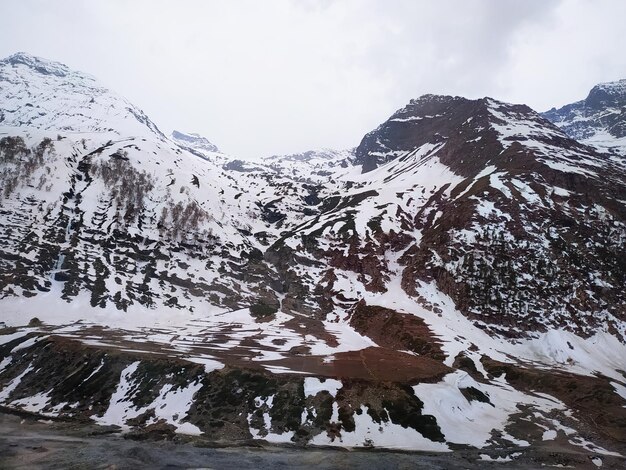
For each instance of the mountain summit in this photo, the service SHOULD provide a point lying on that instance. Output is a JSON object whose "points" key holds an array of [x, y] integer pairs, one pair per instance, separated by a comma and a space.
{"points": [[472, 130], [39, 65], [598, 120]]}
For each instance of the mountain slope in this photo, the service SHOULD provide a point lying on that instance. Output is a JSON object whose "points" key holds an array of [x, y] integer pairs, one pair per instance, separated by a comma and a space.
{"points": [[491, 202], [97, 202]]}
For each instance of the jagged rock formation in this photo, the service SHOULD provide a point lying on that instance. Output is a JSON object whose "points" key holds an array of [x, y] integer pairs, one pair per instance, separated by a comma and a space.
{"points": [[465, 258]]}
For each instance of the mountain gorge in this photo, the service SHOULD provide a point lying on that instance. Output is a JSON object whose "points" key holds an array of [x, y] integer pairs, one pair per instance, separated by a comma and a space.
{"points": [[454, 282]]}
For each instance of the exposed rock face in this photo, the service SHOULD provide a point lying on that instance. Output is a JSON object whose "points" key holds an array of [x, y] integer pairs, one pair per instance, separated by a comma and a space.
{"points": [[430, 119], [461, 240]]}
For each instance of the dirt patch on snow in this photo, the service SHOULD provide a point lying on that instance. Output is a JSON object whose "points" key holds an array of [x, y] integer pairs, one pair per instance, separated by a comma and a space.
{"points": [[396, 330]]}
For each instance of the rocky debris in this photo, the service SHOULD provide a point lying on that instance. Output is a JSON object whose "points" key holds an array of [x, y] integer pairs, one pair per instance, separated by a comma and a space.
{"points": [[157, 397], [79, 382], [395, 330], [592, 399], [23, 439]]}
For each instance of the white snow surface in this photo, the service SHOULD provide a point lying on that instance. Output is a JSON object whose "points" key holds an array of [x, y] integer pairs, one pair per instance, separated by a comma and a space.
{"points": [[472, 422], [313, 386]]}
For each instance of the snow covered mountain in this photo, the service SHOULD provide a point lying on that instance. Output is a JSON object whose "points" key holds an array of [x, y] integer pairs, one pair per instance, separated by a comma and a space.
{"points": [[599, 120], [484, 199], [321, 167], [455, 281], [100, 205], [53, 97], [194, 141]]}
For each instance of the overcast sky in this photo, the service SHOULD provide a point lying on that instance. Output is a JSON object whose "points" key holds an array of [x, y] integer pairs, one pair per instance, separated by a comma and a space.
{"points": [[278, 76]]}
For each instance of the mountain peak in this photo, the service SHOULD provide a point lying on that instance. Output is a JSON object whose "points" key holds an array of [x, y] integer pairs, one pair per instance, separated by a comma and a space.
{"points": [[617, 87], [194, 141], [599, 120], [609, 94], [48, 95], [429, 97], [475, 128], [38, 64]]}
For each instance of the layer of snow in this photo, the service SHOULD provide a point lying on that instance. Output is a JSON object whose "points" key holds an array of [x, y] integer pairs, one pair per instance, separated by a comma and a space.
{"points": [[472, 422], [369, 433], [171, 405], [313, 385], [12, 385]]}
